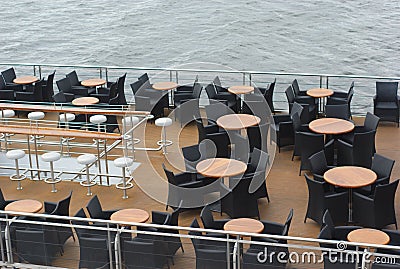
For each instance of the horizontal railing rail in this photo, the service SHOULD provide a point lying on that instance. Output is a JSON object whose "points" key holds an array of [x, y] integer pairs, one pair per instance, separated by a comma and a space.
{"points": [[9, 218]]}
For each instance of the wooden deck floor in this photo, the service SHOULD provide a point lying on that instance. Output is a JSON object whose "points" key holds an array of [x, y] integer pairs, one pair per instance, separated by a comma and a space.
{"points": [[286, 189]]}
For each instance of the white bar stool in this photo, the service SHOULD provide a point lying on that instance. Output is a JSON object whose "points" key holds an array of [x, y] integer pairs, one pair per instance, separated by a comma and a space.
{"points": [[87, 159], [65, 118], [15, 155], [4, 115], [128, 123], [123, 163], [98, 120], [35, 117], [164, 122], [51, 157]]}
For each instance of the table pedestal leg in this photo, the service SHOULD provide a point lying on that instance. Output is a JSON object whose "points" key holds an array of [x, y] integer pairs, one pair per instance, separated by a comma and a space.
{"points": [[351, 206]]}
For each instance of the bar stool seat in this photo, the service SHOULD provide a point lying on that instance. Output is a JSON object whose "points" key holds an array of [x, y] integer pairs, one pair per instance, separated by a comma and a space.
{"points": [[122, 163], [36, 115], [98, 119], [164, 122], [6, 114], [66, 117], [87, 159], [51, 157], [15, 155]]}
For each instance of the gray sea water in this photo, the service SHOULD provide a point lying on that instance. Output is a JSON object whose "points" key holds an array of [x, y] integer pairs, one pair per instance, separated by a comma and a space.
{"points": [[333, 36]]}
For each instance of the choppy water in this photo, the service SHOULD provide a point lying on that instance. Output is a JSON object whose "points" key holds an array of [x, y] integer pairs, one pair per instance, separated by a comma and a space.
{"points": [[332, 36]]}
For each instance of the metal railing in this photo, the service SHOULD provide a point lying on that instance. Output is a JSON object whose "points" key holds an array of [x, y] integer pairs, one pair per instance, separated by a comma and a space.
{"points": [[19, 252], [362, 102]]}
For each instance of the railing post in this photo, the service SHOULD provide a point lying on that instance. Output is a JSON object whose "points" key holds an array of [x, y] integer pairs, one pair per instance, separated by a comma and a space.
{"points": [[228, 253], [117, 249], [170, 75], [250, 79], [244, 78], [327, 82], [176, 76], [101, 72], [34, 70], [110, 254], [8, 241], [320, 81], [40, 71], [106, 74]]}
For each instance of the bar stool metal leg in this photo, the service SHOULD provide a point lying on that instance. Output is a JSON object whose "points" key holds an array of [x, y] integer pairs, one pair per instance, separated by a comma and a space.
{"points": [[15, 155], [123, 163], [87, 159], [51, 157]]}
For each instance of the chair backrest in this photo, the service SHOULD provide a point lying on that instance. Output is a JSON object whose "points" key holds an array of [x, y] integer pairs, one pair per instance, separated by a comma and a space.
{"points": [[143, 78], [297, 108], [327, 221], [287, 223], [113, 90], [38, 90], [337, 111], [310, 144], [32, 247], [217, 81], [73, 78], [121, 89], [318, 163], [48, 90], [257, 136], [200, 129], [290, 95], [363, 148], [316, 196], [2, 83], [64, 85], [197, 89], [63, 206], [211, 92], [3, 202], [386, 91], [371, 122], [170, 175], [59, 98], [296, 87], [269, 95], [326, 234], [382, 166], [384, 195], [94, 208], [142, 254], [9, 75], [207, 217], [135, 86], [194, 154], [216, 109], [93, 253], [142, 103]]}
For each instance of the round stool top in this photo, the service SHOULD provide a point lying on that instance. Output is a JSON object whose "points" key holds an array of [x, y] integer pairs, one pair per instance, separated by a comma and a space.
{"points": [[97, 119], [7, 113], [86, 159], [368, 236], [130, 121], [244, 225], [93, 82], [130, 215], [123, 162], [241, 89], [66, 117], [51, 156], [85, 101], [25, 206], [164, 86], [15, 154], [36, 115], [25, 80], [163, 122], [319, 92]]}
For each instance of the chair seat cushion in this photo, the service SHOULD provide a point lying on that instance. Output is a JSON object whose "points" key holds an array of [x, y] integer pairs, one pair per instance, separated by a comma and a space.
{"points": [[97, 119], [37, 115], [163, 122], [86, 159], [123, 162], [15, 154], [66, 117], [386, 105], [7, 113], [51, 156]]}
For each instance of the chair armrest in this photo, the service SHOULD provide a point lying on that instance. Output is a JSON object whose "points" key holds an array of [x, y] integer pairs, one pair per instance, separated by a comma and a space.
{"points": [[184, 88], [49, 207], [360, 197], [281, 118], [158, 217], [286, 127], [108, 213], [211, 129], [272, 228], [344, 144], [341, 232], [185, 177]]}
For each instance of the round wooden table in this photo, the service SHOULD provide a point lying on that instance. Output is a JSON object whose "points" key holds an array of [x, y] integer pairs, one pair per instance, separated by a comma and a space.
{"points": [[165, 86], [350, 177], [332, 126], [93, 82], [130, 215], [244, 225], [237, 121], [25, 206], [368, 236], [25, 80], [85, 101], [241, 89], [221, 167], [320, 93]]}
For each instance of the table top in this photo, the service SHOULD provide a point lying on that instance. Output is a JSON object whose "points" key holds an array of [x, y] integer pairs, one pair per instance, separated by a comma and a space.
{"points": [[331, 126], [25, 80], [130, 215], [241, 89], [237, 121], [221, 167], [319, 92], [85, 101], [244, 225], [164, 86], [350, 176], [26, 206], [93, 82], [368, 236]]}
